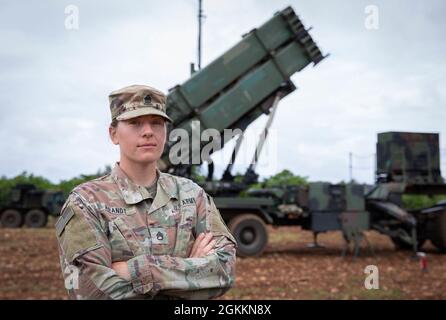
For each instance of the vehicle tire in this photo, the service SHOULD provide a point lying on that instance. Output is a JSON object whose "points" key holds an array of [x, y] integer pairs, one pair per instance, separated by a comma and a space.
{"points": [[251, 234], [36, 218], [437, 232], [11, 218]]}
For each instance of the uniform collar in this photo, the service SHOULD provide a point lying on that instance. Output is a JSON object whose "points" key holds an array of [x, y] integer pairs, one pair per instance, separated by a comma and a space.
{"points": [[133, 193]]}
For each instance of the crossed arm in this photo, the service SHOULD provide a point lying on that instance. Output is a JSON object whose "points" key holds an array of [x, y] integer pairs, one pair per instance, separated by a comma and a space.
{"points": [[203, 245]]}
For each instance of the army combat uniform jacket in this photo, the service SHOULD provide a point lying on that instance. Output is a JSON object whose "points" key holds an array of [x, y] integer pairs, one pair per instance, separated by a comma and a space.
{"points": [[111, 219]]}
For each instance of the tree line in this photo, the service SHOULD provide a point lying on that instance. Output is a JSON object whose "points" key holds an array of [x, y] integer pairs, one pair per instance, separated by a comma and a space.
{"points": [[6, 184], [283, 178]]}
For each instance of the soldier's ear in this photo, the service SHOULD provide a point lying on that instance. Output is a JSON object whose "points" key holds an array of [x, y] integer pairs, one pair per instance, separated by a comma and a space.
{"points": [[113, 135]]}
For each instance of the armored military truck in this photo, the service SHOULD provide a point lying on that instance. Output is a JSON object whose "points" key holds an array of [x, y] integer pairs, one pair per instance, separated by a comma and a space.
{"points": [[30, 206], [249, 80], [407, 163]]}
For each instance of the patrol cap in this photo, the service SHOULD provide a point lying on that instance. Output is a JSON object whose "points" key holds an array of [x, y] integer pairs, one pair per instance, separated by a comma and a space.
{"points": [[137, 100]]}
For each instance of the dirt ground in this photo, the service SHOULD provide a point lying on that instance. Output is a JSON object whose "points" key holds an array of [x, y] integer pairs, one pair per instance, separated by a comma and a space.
{"points": [[288, 269]]}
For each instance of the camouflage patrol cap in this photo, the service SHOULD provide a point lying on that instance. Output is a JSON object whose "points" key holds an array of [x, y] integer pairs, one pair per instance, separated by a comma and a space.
{"points": [[137, 100]]}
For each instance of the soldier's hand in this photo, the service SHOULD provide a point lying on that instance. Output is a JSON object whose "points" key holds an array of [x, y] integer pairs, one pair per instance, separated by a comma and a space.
{"points": [[122, 269], [203, 246]]}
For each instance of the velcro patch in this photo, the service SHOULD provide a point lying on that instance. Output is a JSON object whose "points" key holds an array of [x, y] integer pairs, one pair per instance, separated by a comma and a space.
{"points": [[188, 201], [159, 236], [66, 216], [76, 236]]}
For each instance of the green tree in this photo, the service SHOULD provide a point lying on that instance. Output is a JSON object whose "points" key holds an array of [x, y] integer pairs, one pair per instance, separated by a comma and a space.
{"points": [[283, 178], [196, 174], [6, 184], [67, 185], [419, 201]]}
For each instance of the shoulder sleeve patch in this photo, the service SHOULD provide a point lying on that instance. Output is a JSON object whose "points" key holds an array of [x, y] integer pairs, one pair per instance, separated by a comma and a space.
{"points": [[65, 217], [75, 235]]}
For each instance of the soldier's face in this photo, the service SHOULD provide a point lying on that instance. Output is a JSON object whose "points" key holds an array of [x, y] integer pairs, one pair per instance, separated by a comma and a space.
{"points": [[140, 139]]}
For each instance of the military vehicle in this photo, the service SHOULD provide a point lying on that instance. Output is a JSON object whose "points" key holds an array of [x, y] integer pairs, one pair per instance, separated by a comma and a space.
{"points": [[231, 92], [407, 163], [249, 80], [235, 89], [30, 206]]}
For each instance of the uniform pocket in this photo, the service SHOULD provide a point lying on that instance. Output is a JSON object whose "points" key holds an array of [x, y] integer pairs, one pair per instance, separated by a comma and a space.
{"points": [[124, 242]]}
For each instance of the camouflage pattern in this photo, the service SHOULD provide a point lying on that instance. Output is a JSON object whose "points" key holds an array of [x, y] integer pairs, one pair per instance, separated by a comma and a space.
{"points": [[354, 194], [242, 83], [111, 219], [137, 100], [409, 157], [338, 207], [353, 226], [325, 196], [355, 219], [336, 197], [354, 223]]}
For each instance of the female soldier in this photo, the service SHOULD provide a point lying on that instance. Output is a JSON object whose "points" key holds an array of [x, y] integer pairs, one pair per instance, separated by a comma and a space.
{"points": [[138, 232]]}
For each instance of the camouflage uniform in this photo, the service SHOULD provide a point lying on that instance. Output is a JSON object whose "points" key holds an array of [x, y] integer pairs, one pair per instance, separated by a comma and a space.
{"points": [[109, 219], [112, 219]]}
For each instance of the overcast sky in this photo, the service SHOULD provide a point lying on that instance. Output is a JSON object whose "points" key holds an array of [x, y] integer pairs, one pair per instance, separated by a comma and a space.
{"points": [[55, 81]]}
